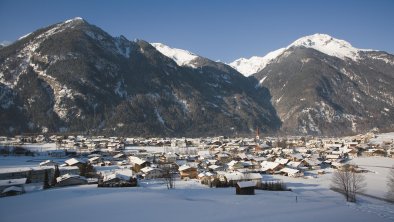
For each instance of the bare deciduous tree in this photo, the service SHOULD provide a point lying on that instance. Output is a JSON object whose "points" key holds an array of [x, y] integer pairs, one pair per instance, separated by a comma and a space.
{"points": [[390, 184], [348, 182], [169, 175]]}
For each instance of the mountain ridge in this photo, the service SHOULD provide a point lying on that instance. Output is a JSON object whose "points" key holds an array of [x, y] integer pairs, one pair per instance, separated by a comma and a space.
{"points": [[73, 76]]}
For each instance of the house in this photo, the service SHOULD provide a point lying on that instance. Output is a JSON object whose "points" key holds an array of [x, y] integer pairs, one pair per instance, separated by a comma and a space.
{"points": [[294, 165], [188, 171], [168, 158], [138, 163], [291, 172], [119, 178], [94, 159], [151, 173], [70, 180], [235, 177], [245, 188], [74, 162], [270, 167]]}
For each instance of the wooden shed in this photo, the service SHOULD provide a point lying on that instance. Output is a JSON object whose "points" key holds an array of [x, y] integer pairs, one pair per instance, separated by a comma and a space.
{"points": [[245, 188]]}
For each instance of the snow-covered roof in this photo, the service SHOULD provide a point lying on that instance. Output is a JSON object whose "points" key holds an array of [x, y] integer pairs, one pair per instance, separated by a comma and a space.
{"points": [[289, 171], [245, 184], [267, 165], [12, 188], [94, 158], [214, 167], [12, 182], [232, 163], [119, 155], [332, 156], [136, 160], [281, 161], [184, 167], [67, 176], [73, 161], [149, 169], [123, 174], [293, 164], [47, 162]]}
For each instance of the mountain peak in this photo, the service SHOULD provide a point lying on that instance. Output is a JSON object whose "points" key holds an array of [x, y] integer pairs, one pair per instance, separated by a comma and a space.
{"points": [[180, 56], [328, 45], [76, 19], [321, 42]]}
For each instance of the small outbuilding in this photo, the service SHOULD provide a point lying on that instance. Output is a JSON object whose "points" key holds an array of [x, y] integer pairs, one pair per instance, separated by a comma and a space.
{"points": [[70, 180], [245, 188]]}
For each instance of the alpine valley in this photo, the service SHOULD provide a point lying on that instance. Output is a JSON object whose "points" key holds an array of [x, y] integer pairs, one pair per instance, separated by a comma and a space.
{"points": [[75, 77]]}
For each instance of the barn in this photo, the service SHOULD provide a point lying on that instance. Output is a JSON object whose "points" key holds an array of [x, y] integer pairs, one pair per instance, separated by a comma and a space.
{"points": [[245, 188]]}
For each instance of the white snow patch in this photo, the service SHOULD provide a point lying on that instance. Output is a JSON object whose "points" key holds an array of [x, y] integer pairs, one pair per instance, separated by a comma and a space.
{"points": [[262, 80], [383, 58], [180, 56], [159, 118], [74, 19], [255, 64], [24, 36]]}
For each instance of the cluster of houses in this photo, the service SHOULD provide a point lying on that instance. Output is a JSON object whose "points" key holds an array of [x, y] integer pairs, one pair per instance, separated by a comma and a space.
{"points": [[220, 159]]}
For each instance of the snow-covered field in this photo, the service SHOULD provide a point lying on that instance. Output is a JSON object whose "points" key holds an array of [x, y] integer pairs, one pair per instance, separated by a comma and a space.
{"points": [[190, 202], [377, 178]]}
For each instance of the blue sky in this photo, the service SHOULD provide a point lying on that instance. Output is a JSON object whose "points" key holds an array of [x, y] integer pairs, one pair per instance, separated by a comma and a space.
{"points": [[217, 29]]}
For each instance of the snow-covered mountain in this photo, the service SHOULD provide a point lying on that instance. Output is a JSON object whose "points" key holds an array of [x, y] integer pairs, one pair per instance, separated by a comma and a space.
{"points": [[180, 56], [74, 77], [322, 85], [320, 42]]}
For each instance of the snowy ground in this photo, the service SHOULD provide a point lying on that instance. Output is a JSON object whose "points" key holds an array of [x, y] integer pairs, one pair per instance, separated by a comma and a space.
{"points": [[190, 202], [377, 178]]}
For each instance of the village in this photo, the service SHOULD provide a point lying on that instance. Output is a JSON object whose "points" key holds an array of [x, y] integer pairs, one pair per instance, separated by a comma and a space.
{"points": [[215, 162]]}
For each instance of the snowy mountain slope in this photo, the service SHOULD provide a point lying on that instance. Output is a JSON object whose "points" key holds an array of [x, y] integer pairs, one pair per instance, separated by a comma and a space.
{"points": [[254, 64], [180, 56], [320, 42], [324, 86]]}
